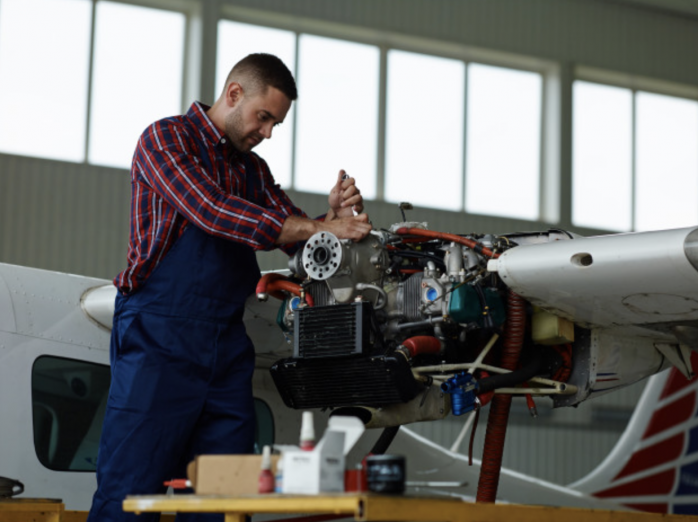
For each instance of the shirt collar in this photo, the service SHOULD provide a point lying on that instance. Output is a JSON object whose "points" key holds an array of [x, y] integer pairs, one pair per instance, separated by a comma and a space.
{"points": [[197, 114]]}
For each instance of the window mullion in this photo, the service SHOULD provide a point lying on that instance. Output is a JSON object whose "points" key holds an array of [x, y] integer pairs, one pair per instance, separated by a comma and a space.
{"points": [[90, 69], [465, 136], [633, 162], [294, 140], [382, 111]]}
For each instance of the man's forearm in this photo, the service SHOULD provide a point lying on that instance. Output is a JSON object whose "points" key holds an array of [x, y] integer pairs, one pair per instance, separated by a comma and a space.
{"points": [[297, 228]]}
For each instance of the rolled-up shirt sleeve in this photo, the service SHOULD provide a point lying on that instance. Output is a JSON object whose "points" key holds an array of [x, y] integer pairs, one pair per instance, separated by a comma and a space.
{"points": [[167, 160], [276, 198]]}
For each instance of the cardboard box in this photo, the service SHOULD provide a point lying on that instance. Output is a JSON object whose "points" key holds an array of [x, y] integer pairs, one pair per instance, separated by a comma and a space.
{"points": [[322, 470], [227, 474]]}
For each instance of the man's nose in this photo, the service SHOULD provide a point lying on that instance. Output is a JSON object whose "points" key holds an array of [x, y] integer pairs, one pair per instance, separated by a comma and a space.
{"points": [[266, 130]]}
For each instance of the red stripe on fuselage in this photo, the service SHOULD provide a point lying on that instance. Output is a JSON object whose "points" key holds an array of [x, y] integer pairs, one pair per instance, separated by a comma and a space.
{"points": [[671, 415], [658, 484], [660, 453], [677, 381]]}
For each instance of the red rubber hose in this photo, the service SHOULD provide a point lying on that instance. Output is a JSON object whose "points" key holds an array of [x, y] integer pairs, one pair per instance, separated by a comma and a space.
{"points": [[273, 283], [420, 344], [266, 279], [289, 286], [499, 411], [478, 247]]}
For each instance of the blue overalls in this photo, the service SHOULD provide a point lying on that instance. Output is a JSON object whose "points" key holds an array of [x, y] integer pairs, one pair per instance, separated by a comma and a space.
{"points": [[182, 368]]}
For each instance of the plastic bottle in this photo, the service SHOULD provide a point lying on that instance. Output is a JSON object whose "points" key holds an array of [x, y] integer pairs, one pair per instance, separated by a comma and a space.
{"points": [[266, 478], [279, 477], [307, 442]]}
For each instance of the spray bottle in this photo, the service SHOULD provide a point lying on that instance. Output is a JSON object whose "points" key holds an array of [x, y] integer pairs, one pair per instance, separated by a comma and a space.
{"points": [[279, 477], [266, 478], [307, 442]]}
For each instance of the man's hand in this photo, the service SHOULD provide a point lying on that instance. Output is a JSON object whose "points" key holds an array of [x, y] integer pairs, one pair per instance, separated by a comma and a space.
{"points": [[296, 228], [345, 198], [354, 227]]}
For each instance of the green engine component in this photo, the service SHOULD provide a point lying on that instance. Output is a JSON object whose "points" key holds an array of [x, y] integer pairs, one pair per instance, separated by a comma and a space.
{"points": [[280, 316], [466, 306]]}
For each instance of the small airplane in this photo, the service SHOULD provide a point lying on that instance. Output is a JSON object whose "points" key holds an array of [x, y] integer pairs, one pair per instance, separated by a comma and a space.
{"points": [[407, 325]]}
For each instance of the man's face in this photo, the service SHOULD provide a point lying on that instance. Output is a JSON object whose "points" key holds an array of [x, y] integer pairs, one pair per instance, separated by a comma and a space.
{"points": [[253, 118]]}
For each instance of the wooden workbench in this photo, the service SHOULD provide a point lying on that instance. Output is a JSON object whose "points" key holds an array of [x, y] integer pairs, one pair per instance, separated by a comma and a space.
{"points": [[371, 507], [31, 510]]}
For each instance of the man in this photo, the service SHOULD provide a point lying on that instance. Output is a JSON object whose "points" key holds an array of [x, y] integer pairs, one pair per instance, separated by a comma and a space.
{"points": [[202, 203]]}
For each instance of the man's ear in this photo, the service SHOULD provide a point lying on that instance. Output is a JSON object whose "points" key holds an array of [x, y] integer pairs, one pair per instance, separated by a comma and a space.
{"points": [[233, 94]]}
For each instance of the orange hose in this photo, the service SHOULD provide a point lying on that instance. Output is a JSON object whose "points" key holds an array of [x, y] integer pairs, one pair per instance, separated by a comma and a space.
{"points": [[273, 284], [470, 243], [501, 404], [294, 288], [266, 279], [422, 344]]}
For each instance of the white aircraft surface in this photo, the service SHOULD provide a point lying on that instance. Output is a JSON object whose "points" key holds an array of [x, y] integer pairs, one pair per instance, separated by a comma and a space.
{"points": [[430, 315]]}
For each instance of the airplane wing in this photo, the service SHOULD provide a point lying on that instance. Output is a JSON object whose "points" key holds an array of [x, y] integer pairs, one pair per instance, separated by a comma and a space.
{"points": [[643, 280]]}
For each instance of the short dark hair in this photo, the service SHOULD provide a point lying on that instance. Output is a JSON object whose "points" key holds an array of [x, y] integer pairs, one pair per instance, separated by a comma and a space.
{"points": [[256, 72]]}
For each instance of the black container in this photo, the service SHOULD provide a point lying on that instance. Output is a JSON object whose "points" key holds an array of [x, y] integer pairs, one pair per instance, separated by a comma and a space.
{"points": [[386, 473]]}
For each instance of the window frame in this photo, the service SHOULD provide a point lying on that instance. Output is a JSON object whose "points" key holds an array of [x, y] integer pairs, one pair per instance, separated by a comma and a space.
{"points": [[550, 71]]}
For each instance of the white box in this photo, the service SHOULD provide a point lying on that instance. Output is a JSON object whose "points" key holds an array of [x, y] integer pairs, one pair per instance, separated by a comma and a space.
{"points": [[322, 469]]}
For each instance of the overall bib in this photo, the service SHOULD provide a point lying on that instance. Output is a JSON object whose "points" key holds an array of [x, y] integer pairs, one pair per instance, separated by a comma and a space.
{"points": [[182, 368]]}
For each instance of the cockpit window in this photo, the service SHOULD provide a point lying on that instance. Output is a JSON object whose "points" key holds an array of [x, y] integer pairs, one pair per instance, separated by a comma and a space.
{"points": [[264, 430], [69, 398]]}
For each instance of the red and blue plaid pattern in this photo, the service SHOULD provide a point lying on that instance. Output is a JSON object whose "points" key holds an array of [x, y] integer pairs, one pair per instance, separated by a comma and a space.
{"points": [[184, 172]]}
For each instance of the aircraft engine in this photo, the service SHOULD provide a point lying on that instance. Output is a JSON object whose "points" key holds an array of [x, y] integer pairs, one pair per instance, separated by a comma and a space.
{"points": [[406, 325], [410, 325]]}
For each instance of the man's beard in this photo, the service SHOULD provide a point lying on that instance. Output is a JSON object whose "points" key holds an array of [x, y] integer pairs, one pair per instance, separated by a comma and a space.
{"points": [[234, 132]]}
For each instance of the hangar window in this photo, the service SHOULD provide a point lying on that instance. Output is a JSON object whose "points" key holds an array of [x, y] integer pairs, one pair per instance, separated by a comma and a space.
{"points": [[129, 92], [44, 66], [602, 159], [456, 135], [666, 156], [635, 163], [61, 103], [426, 147], [336, 113], [237, 40], [424, 130], [503, 142]]}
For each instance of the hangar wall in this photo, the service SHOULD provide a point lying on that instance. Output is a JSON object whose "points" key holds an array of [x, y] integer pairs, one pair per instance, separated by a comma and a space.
{"points": [[613, 35], [74, 217]]}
